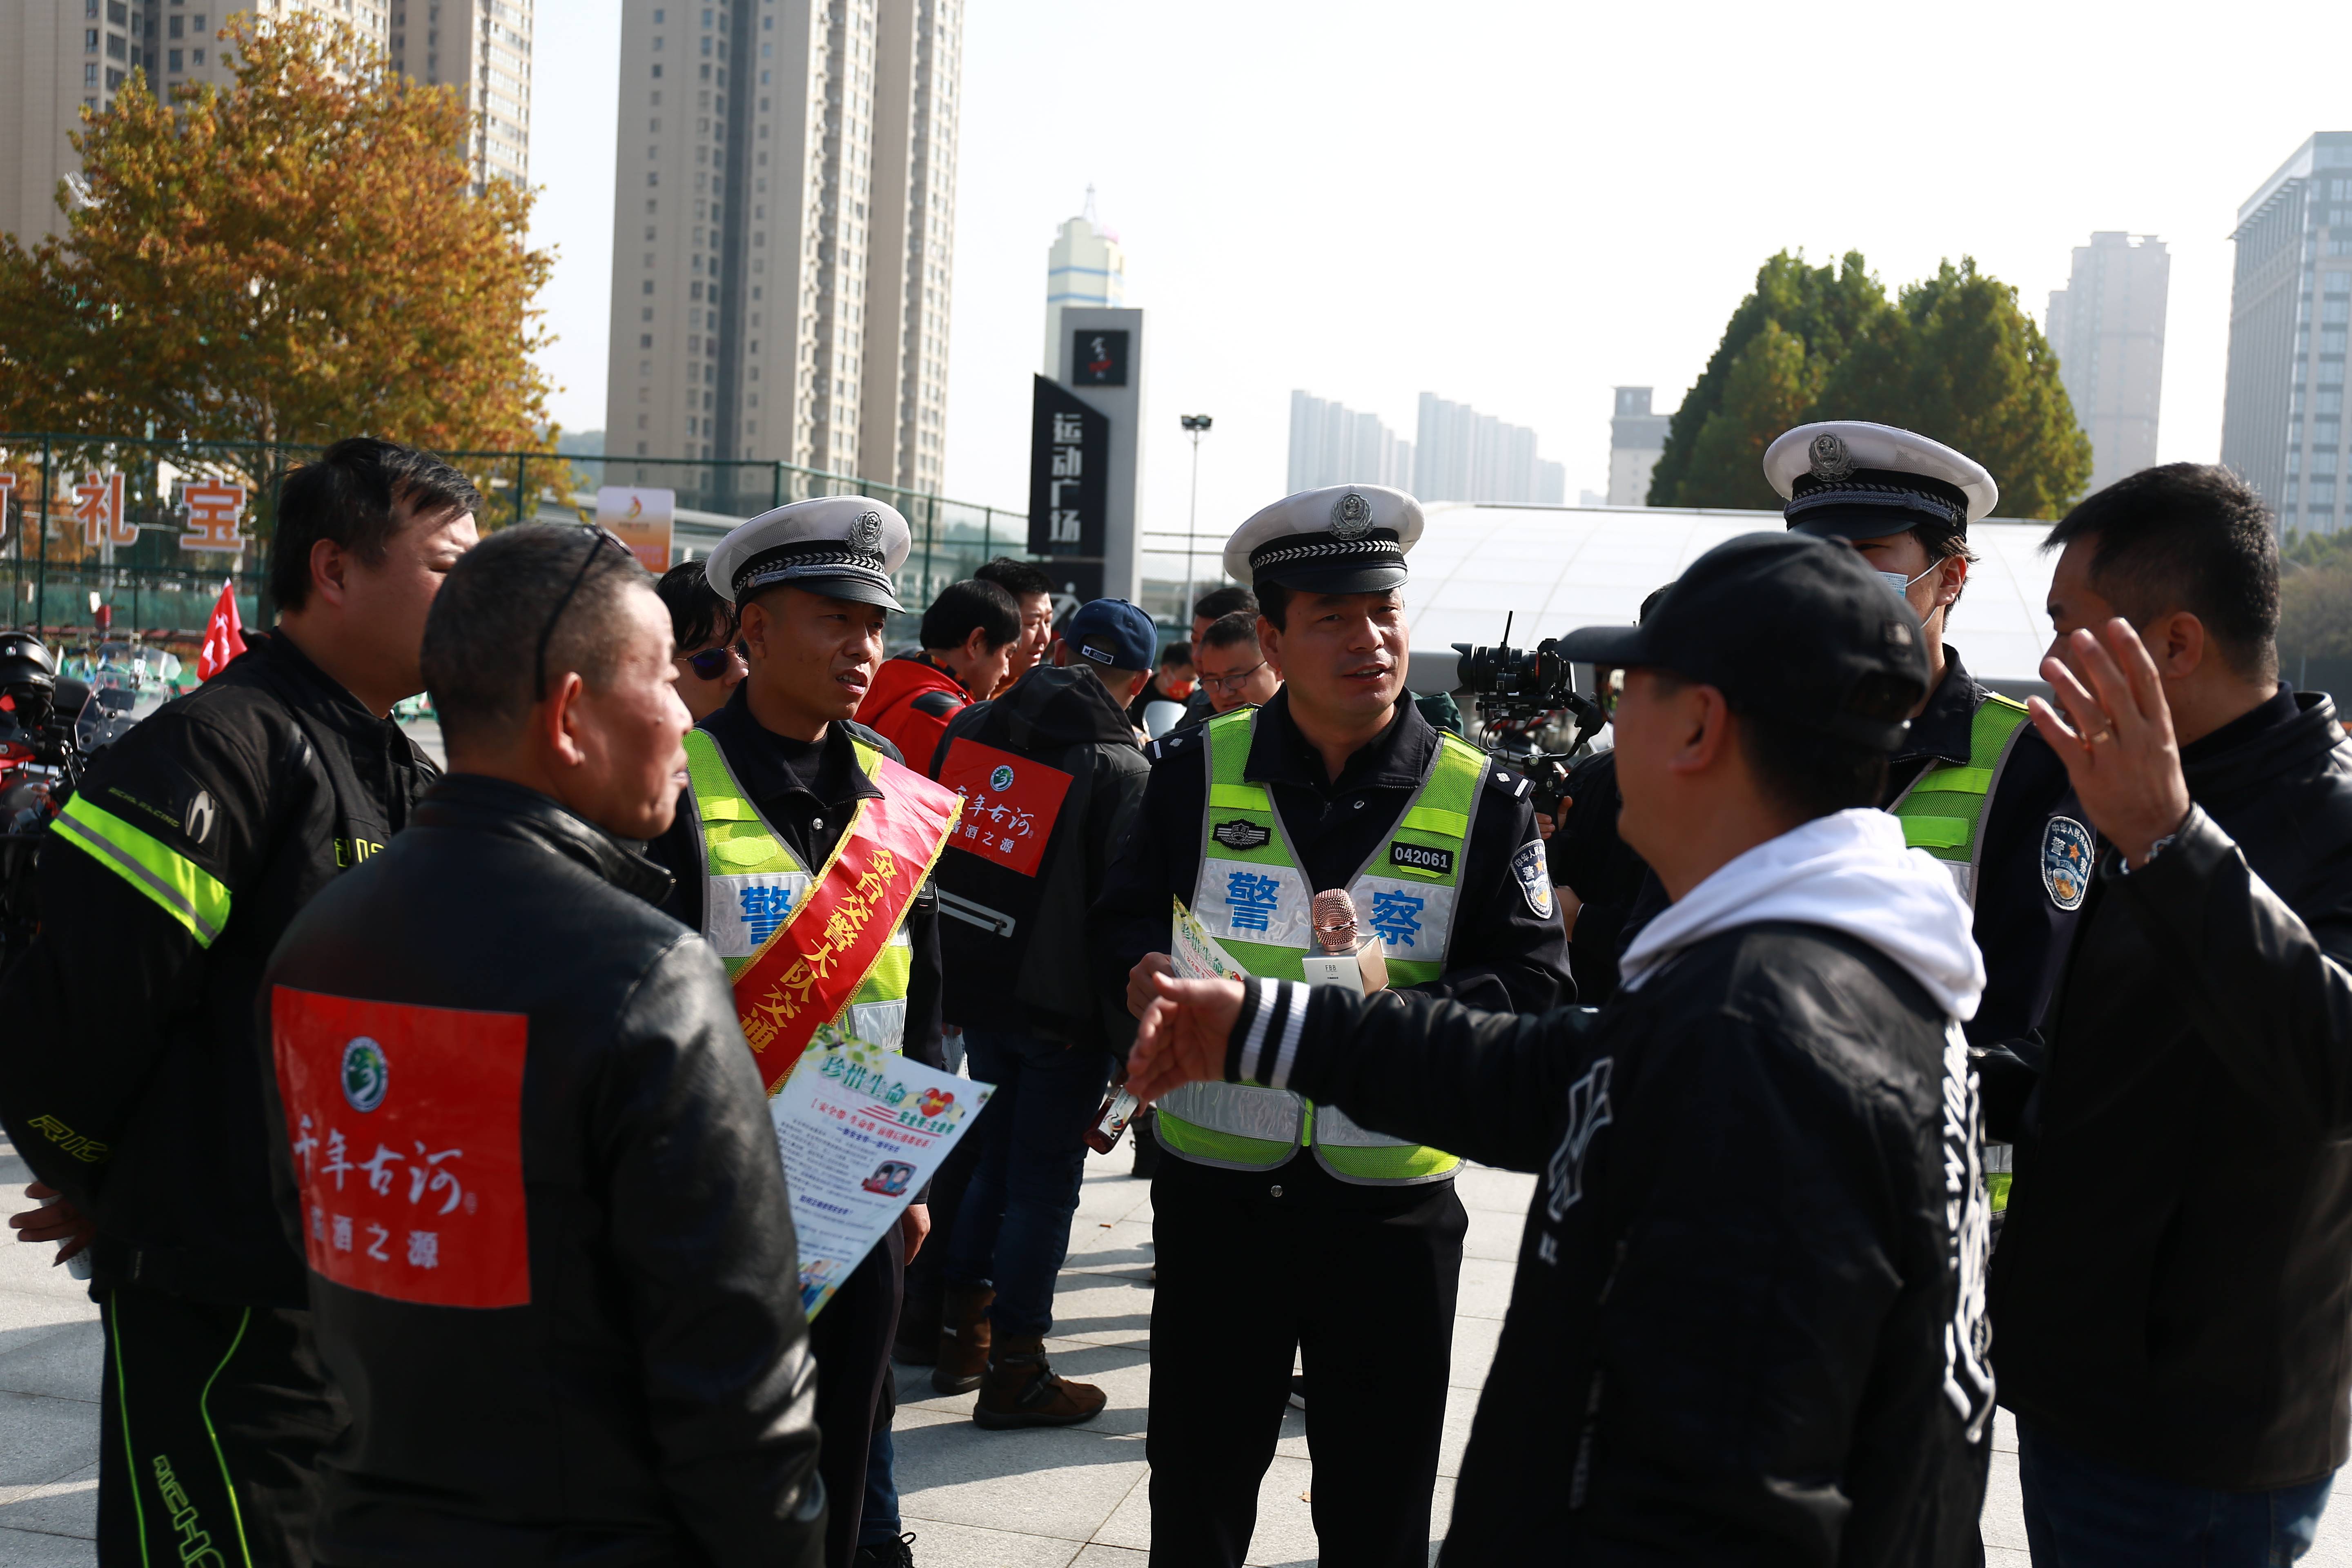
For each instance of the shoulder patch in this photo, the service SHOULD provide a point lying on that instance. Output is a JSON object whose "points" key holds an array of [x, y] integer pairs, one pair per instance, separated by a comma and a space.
{"points": [[2067, 850], [936, 704], [1534, 878]]}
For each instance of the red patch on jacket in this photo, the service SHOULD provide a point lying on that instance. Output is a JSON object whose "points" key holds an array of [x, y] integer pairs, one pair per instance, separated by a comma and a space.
{"points": [[1009, 804], [406, 1130]]}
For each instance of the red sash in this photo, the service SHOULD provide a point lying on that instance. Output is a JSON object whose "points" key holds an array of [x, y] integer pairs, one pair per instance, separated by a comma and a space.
{"points": [[805, 975]]}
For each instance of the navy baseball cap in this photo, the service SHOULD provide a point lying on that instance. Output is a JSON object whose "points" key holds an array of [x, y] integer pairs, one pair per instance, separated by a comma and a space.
{"points": [[1791, 628], [1112, 633]]}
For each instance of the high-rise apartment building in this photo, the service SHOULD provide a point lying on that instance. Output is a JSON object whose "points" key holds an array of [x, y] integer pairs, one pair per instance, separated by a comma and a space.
{"points": [[60, 56], [1637, 439], [1333, 444], [1460, 454], [481, 47], [783, 239], [2106, 326], [2290, 308], [1085, 270]]}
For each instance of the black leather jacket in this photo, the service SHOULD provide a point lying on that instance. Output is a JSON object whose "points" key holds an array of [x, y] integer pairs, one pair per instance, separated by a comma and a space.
{"points": [[2173, 1288], [126, 1054], [642, 1392], [1727, 1339]]}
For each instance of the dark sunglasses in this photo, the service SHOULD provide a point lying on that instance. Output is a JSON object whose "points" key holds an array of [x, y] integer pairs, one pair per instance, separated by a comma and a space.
{"points": [[711, 662], [539, 658]]}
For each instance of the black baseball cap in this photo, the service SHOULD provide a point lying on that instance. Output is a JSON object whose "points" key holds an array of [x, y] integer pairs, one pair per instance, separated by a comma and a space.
{"points": [[1790, 626]]}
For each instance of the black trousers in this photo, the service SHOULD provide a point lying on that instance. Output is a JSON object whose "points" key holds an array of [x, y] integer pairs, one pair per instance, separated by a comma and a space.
{"points": [[211, 1421], [1360, 1283], [851, 1341]]}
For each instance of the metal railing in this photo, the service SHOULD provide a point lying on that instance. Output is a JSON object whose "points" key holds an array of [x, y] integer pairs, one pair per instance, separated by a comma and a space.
{"points": [[158, 588]]}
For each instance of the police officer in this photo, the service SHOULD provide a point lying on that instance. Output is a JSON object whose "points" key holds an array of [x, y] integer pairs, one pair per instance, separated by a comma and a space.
{"points": [[130, 1078], [1284, 1229], [779, 777], [1972, 784]]}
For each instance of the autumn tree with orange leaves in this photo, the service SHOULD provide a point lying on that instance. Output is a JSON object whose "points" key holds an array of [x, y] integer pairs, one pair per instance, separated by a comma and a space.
{"points": [[301, 258]]}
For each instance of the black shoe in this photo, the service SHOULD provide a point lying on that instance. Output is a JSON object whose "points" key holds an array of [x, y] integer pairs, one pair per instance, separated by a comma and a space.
{"points": [[898, 1554]]}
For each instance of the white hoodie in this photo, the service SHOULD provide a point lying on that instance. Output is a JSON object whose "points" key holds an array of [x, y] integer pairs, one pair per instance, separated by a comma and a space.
{"points": [[1849, 871]]}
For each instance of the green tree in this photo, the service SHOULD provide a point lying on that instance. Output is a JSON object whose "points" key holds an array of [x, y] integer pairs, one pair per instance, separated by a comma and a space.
{"points": [[1959, 360], [2315, 612], [300, 258], [1954, 358], [1822, 309]]}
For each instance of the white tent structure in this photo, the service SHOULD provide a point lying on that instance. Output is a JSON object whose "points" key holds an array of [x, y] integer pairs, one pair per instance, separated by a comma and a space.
{"points": [[1554, 569]]}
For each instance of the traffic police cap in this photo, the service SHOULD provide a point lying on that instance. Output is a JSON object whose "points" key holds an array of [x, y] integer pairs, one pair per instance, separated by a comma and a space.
{"points": [[842, 546], [1859, 481], [1341, 539], [1792, 629]]}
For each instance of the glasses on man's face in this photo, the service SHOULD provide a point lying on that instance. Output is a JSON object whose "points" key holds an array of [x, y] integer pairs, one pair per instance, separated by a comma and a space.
{"points": [[712, 662], [1613, 691], [1230, 683], [539, 658]]}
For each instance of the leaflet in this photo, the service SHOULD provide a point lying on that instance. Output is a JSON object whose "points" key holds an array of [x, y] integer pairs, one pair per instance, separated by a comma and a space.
{"points": [[1196, 953], [861, 1130]]}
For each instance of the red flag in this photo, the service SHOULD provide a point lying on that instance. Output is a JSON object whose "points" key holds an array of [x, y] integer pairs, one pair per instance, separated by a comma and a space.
{"points": [[223, 634]]}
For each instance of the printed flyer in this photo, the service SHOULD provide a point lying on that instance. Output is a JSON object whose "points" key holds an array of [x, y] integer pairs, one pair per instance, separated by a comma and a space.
{"points": [[861, 1129], [1195, 953]]}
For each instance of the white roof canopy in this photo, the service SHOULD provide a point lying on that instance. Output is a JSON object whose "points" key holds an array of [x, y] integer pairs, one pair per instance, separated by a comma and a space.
{"points": [[1554, 569]]}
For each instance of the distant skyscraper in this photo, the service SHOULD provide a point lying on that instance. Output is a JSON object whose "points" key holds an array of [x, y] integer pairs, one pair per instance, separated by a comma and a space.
{"points": [[1331, 444], [60, 56], [2106, 326], [1085, 269], [783, 241], [1637, 439], [1460, 454], [481, 47], [2290, 306]]}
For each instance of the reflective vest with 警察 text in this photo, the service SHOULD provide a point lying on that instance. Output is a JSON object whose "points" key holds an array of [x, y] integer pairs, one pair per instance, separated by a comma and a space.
{"points": [[1944, 810], [751, 884], [1252, 897]]}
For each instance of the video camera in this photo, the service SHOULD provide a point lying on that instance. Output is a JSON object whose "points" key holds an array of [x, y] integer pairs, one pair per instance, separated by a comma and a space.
{"points": [[1519, 693]]}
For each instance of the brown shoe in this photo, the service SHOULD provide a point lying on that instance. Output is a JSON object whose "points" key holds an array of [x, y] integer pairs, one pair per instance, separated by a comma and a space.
{"points": [[1021, 1390], [963, 1339]]}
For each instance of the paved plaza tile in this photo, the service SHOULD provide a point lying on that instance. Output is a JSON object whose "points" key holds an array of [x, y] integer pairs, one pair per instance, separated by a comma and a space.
{"points": [[1074, 1498]]}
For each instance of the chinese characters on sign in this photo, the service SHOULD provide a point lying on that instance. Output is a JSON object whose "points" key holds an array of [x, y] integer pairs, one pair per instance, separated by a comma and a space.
{"points": [[404, 1129], [97, 506], [215, 510], [1396, 916], [765, 910], [1069, 456], [1253, 899]]}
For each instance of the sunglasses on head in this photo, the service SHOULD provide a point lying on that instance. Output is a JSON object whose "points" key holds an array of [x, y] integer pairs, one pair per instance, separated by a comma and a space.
{"points": [[711, 662], [539, 656]]}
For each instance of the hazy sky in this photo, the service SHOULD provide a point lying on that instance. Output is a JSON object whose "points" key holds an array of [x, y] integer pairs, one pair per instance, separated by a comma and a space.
{"points": [[1517, 205]]}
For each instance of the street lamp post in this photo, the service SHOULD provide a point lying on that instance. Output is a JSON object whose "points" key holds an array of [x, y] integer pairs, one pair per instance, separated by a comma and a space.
{"points": [[1195, 425]]}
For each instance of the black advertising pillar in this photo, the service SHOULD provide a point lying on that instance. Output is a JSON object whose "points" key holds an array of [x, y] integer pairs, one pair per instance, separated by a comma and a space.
{"points": [[1069, 474]]}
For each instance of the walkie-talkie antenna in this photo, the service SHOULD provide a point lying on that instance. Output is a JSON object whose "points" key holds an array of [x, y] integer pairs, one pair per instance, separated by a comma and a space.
{"points": [[1508, 615]]}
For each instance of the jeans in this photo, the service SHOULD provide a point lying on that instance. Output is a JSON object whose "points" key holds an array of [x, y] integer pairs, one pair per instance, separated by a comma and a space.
{"points": [[1013, 1228], [2086, 1512], [879, 1524]]}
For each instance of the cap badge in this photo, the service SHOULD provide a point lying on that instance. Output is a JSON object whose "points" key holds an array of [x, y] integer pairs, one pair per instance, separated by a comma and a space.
{"points": [[1351, 516], [1832, 460], [866, 533]]}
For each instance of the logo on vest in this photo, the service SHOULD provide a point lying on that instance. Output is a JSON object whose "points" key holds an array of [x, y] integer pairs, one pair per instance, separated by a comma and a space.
{"points": [[366, 1074], [1239, 834], [2066, 855], [1422, 858], [1001, 778], [197, 821], [1535, 879]]}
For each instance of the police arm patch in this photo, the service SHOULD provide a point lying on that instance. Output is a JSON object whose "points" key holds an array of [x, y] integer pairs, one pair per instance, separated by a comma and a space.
{"points": [[1534, 877]]}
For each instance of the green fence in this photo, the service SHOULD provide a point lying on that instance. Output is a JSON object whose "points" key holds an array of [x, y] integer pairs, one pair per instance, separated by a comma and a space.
{"points": [[74, 540]]}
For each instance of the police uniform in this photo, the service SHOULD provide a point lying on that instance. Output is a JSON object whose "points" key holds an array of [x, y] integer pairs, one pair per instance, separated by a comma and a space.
{"points": [[1282, 1228], [759, 822], [1973, 785]]}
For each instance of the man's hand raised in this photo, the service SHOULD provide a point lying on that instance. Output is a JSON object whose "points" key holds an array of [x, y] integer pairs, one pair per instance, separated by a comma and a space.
{"points": [[2116, 739], [1183, 1035]]}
